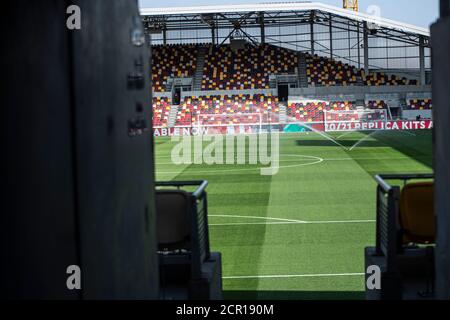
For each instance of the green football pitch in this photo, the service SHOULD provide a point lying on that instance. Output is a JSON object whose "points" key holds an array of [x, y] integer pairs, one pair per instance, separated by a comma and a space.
{"points": [[300, 234]]}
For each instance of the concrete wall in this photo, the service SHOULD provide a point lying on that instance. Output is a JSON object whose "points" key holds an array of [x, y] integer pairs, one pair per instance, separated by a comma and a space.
{"points": [[228, 92], [358, 91], [354, 92], [412, 114]]}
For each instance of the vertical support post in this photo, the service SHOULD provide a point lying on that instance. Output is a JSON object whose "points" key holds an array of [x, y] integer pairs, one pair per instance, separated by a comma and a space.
{"points": [[213, 33], [263, 27], [164, 35], [359, 45], [366, 48], [311, 24], [217, 35], [349, 43], [422, 60], [387, 53], [331, 35]]}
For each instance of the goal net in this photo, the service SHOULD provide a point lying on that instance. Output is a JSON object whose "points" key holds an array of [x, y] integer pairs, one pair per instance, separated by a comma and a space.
{"points": [[355, 120], [237, 123]]}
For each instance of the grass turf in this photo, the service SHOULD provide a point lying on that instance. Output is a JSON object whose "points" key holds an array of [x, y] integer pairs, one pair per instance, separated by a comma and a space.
{"points": [[329, 186]]}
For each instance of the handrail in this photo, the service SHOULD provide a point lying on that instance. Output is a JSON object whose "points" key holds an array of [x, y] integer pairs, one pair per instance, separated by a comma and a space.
{"points": [[202, 184], [200, 190], [381, 178], [383, 184]]}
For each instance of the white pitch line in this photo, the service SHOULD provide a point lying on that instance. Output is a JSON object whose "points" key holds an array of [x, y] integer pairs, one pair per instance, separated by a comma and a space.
{"points": [[196, 172], [254, 217], [341, 221], [331, 159], [372, 158], [288, 223], [253, 223], [277, 221], [281, 160], [296, 276]]}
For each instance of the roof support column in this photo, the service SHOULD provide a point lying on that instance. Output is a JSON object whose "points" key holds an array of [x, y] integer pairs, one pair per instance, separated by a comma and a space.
{"points": [[422, 60], [263, 27], [311, 24], [331, 35], [366, 48], [359, 46], [213, 34], [164, 35]]}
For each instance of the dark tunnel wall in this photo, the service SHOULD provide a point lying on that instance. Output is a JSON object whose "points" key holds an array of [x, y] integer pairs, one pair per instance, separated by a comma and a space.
{"points": [[38, 226], [78, 162], [441, 114]]}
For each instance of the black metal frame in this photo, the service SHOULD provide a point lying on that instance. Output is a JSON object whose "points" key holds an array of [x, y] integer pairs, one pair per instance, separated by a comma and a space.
{"points": [[388, 233], [229, 22], [198, 213]]}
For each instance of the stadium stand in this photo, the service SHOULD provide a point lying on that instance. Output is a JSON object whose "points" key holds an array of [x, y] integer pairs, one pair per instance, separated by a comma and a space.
{"points": [[381, 79], [328, 72], [417, 104], [161, 109], [250, 68], [172, 61], [226, 69], [306, 112], [228, 106], [314, 111], [378, 104], [247, 68]]}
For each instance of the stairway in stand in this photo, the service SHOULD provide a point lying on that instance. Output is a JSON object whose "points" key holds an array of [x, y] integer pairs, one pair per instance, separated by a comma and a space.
{"points": [[302, 77], [173, 115], [283, 112], [198, 76]]}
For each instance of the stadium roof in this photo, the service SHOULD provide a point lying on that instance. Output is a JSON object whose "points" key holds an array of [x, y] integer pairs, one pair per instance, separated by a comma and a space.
{"points": [[280, 11]]}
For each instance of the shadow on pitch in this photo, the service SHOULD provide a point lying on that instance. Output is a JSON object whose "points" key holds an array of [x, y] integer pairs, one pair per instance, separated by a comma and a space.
{"points": [[343, 143], [417, 145]]}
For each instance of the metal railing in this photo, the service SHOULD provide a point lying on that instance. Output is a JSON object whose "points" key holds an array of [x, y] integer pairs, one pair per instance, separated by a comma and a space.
{"points": [[388, 232], [198, 217]]}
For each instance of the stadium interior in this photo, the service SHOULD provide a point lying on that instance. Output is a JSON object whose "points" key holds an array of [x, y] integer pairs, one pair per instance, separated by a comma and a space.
{"points": [[244, 70], [256, 62], [359, 103]]}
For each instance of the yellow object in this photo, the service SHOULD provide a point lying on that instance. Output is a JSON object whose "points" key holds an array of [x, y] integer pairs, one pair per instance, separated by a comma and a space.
{"points": [[417, 217]]}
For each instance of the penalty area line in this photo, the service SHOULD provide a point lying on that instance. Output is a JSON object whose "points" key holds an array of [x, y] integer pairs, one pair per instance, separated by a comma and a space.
{"points": [[277, 221], [296, 276], [287, 223]]}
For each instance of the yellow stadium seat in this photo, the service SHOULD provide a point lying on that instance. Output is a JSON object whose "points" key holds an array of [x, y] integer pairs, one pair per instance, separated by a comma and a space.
{"points": [[417, 217]]}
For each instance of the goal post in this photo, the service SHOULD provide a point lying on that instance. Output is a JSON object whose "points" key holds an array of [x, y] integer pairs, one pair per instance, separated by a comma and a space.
{"points": [[234, 123], [355, 120]]}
